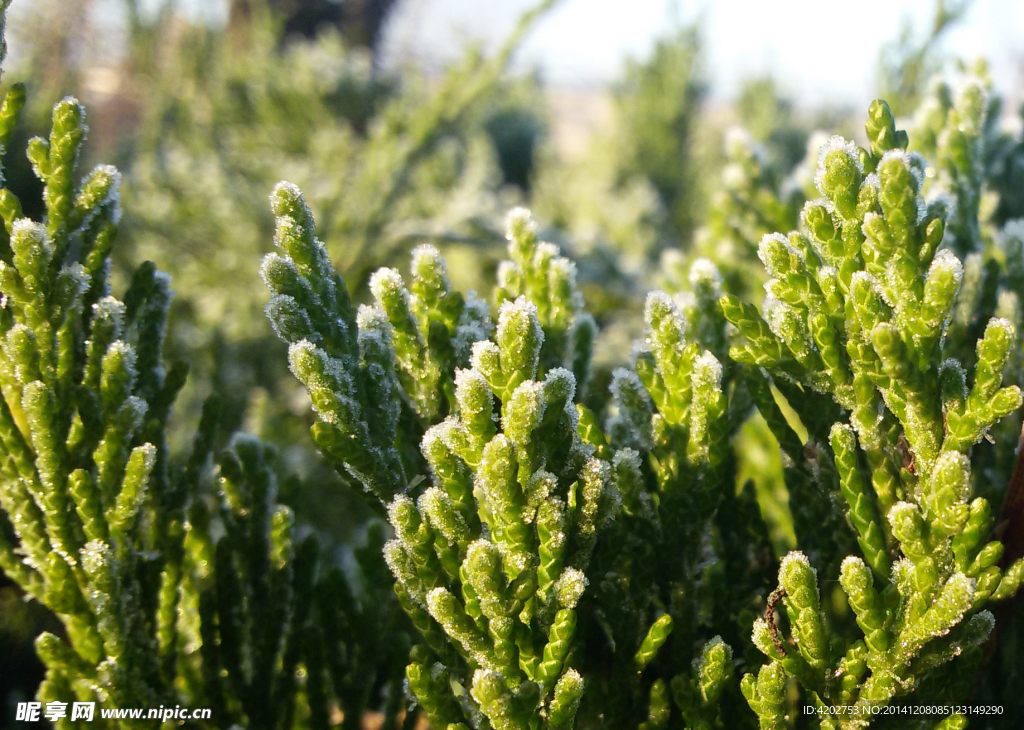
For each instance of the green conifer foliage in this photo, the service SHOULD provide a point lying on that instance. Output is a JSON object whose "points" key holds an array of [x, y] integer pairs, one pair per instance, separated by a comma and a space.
{"points": [[752, 201], [859, 305], [171, 590], [490, 559], [537, 563], [493, 555], [534, 609], [676, 566]]}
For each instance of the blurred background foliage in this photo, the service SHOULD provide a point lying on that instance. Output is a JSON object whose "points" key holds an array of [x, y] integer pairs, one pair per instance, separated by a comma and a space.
{"points": [[203, 117]]}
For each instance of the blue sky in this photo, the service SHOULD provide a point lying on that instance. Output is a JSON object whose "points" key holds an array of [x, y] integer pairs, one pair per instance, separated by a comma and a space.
{"points": [[821, 52]]}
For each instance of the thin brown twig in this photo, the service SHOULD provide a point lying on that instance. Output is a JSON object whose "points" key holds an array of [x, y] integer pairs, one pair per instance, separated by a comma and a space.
{"points": [[769, 616]]}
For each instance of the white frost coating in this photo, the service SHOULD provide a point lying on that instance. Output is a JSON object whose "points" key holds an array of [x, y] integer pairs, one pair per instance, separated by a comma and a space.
{"points": [[1003, 324], [902, 511], [468, 382], [660, 307], [432, 437], [828, 279], [570, 681], [399, 503], [126, 352], [286, 189], [714, 643], [839, 431], [301, 352], [524, 411], [370, 318], [275, 261], [547, 251], [507, 273], [163, 281], [907, 161], [631, 409], [565, 270], [835, 143], [761, 637], [112, 198], [953, 602], [148, 452], [795, 556], [519, 218], [521, 306], [946, 259], [77, 274], [539, 490], [626, 386], [570, 586], [707, 372], [901, 571], [475, 309], [96, 558], [448, 432], [478, 549], [869, 281], [426, 256], [438, 506], [474, 325], [851, 560], [517, 310], [785, 323], [111, 309], [769, 253], [705, 275], [401, 567], [771, 302], [314, 369], [281, 308], [954, 364], [657, 300], [386, 283], [138, 408], [954, 468], [437, 671], [26, 232], [941, 196], [629, 457], [561, 383], [987, 621]]}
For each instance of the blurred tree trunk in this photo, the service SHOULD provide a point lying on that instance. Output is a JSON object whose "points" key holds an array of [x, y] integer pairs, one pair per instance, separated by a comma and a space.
{"points": [[364, 20], [359, 21], [239, 24]]}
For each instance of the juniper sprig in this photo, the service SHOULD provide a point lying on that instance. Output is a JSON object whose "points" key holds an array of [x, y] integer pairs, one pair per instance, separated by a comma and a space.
{"points": [[489, 559], [859, 305], [753, 200], [669, 436], [176, 582]]}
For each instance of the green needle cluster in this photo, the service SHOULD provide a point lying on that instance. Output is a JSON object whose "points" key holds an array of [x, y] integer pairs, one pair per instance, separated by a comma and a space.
{"points": [[753, 200], [677, 565], [177, 580], [556, 539], [860, 300], [490, 557]]}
